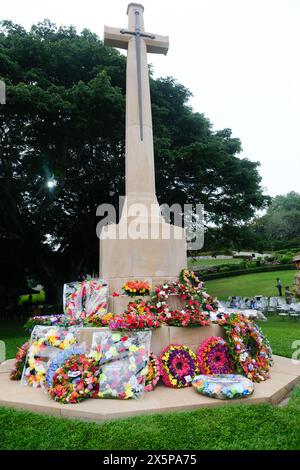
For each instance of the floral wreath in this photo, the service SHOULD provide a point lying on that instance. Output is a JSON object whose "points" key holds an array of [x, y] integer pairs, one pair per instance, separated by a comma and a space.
{"points": [[35, 368], [16, 372], [190, 278], [75, 380], [123, 359], [178, 366], [195, 312], [154, 373], [59, 360], [214, 357], [249, 347]]}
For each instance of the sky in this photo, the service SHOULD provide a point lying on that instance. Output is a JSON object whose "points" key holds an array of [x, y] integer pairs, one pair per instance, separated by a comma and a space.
{"points": [[239, 58]]}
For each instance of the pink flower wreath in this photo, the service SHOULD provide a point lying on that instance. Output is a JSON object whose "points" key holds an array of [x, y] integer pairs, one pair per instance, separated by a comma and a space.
{"points": [[214, 357], [178, 366]]}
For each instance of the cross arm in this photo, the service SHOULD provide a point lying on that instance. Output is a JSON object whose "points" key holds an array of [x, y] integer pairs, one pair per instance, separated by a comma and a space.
{"points": [[113, 37]]}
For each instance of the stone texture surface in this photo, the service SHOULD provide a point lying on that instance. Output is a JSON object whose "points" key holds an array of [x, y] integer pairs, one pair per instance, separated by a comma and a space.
{"points": [[152, 254], [193, 337], [284, 376]]}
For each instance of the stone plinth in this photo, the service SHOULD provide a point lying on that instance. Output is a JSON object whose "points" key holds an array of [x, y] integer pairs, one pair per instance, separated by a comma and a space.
{"points": [[165, 335], [285, 375], [154, 260]]}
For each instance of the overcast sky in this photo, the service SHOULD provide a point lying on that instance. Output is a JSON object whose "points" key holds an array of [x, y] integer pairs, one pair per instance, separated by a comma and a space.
{"points": [[240, 59]]}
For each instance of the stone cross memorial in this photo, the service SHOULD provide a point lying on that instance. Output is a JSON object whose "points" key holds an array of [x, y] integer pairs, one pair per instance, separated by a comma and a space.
{"points": [[143, 245]]}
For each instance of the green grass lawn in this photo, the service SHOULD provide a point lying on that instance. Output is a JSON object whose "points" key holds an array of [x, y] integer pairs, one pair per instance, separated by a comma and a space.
{"points": [[38, 297], [229, 427], [211, 262], [249, 285]]}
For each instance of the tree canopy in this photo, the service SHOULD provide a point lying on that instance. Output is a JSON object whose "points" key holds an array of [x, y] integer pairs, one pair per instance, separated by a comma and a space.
{"points": [[64, 122], [280, 226]]}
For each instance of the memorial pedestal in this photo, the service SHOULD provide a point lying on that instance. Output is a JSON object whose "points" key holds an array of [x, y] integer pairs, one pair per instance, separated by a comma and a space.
{"points": [[165, 335]]}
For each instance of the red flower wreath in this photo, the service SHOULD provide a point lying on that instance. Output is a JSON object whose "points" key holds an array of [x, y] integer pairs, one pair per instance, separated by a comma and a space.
{"points": [[191, 314]]}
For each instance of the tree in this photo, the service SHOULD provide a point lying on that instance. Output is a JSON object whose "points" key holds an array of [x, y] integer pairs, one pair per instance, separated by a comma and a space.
{"points": [[64, 123], [280, 226]]}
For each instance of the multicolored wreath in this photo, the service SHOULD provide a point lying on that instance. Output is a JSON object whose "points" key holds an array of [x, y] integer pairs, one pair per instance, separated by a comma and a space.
{"points": [[75, 380], [178, 366], [190, 278], [153, 373], [214, 357], [59, 360], [195, 288], [16, 372], [249, 347], [36, 368]]}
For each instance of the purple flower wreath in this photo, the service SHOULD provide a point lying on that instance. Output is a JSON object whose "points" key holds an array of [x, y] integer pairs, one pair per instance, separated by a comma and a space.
{"points": [[178, 366], [214, 357]]}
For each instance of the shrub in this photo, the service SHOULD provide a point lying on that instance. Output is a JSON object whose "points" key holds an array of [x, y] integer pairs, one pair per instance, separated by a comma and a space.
{"points": [[285, 259]]}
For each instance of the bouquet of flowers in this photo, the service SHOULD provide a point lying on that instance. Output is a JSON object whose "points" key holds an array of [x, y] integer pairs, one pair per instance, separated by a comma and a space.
{"points": [[134, 288], [82, 299]]}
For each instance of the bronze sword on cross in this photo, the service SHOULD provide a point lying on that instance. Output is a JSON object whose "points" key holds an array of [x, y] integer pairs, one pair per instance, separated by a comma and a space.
{"points": [[138, 34], [120, 38]]}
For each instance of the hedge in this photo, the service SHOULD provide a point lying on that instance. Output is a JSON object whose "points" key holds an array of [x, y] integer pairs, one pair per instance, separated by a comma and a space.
{"points": [[240, 272]]}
